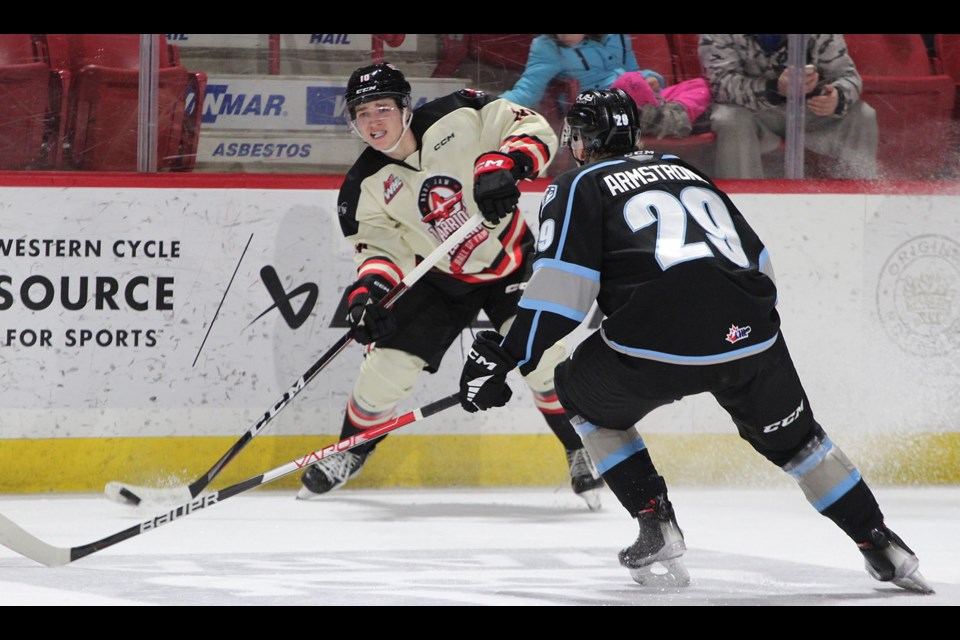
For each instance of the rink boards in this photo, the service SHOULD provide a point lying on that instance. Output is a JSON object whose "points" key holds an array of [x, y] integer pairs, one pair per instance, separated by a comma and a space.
{"points": [[146, 324]]}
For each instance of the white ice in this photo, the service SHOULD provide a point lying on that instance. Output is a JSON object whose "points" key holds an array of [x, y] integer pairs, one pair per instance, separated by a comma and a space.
{"points": [[500, 547]]}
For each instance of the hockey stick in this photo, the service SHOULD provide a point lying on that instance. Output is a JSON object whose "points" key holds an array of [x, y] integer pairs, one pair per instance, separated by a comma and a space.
{"points": [[26, 544], [131, 494]]}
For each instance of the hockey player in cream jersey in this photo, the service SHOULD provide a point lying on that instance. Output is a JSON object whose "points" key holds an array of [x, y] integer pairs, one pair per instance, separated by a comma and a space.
{"points": [[424, 173]]}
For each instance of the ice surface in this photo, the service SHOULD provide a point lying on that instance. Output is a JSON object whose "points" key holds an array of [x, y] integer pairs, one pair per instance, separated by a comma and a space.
{"points": [[501, 547]]}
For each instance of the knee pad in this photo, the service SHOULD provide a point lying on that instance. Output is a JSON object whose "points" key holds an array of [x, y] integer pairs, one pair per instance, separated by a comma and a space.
{"points": [[386, 377], [540, 380]]}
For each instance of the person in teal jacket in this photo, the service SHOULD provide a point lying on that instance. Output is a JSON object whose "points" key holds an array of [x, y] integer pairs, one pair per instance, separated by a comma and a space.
{"points": [[605, 61], [594, 60]]}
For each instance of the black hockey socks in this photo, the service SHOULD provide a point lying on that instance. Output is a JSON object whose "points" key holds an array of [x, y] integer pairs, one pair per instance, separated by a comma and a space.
{"points": [[561, 427]]}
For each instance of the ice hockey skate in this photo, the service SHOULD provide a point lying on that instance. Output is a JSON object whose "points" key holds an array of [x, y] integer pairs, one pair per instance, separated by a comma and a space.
{"points": [[654, 558], [584, 479], [331, 473], [889, 559]]}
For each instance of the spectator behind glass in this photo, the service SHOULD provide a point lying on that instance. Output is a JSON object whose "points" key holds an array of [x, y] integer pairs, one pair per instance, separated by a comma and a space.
{"points": [[748, 78], [604, 61]]}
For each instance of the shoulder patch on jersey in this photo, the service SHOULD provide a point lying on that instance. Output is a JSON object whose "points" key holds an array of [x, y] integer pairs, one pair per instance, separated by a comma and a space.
{"points": [[391, 186], [472, 93], [548, 195]]}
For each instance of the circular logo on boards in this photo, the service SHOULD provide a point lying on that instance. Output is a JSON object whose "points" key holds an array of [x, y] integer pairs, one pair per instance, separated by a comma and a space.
{"points": [[918, 295]]}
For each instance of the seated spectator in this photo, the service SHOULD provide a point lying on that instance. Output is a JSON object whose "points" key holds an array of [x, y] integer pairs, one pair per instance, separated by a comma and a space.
{"points": [[748, 79], [604, 61]]}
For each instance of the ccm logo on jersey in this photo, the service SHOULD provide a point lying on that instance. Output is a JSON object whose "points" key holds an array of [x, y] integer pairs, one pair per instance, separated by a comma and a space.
{"points": [[770, 428], [437, 146]]}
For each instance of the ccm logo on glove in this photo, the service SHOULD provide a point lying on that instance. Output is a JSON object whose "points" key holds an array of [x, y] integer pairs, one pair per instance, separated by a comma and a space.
{"points": [[494, 186], [481, 361], [490, 162], [483, 382]]}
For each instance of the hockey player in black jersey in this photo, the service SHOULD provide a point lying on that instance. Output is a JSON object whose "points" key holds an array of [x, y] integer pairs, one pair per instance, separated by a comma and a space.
{"points": [[689, 296]]}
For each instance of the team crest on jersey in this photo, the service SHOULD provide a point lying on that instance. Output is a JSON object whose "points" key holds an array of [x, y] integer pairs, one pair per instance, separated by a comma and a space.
{"points": [[440, 197], [391, 186], [441, 205], [736, 334]]}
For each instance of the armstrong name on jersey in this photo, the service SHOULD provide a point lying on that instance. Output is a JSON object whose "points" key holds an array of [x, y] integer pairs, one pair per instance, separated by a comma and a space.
{"points": [[624, 181]]}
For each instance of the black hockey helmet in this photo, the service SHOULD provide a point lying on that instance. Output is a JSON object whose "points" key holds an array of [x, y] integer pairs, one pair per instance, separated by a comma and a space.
{"points": [[381, 80], [602, 120]]}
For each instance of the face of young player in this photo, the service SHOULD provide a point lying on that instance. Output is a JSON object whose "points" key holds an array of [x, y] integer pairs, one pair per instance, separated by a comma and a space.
{"points": [[572, 138], [380, 123]]}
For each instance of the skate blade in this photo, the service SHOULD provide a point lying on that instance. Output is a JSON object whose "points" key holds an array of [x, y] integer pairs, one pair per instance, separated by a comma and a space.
{"points": [[914, 582], [662, 574], [592, 498]]}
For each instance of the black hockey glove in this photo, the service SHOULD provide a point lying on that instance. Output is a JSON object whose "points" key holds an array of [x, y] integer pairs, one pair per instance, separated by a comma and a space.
{"points": [[495, 186], [483, 383], [369, 320]]}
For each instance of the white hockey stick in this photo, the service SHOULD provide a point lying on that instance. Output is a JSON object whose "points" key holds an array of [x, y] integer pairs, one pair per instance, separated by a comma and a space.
{"points": [[15, 538], [135, 495]]}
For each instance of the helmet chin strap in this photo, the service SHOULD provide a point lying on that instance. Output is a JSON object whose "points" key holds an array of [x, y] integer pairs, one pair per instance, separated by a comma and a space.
{"points": [[407, 119]]}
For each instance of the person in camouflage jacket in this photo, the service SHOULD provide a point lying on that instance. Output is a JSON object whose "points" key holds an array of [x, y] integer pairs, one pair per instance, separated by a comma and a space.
{"points": [[748, 78]]}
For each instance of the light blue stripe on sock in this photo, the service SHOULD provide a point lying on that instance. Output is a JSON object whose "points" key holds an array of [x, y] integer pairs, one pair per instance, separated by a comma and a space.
{"points": [[618, 456], [837, 492]]}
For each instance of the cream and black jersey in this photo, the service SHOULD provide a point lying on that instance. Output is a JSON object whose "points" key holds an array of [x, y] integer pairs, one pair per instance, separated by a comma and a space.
{"points": [[672, 264], [394, 212]]}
